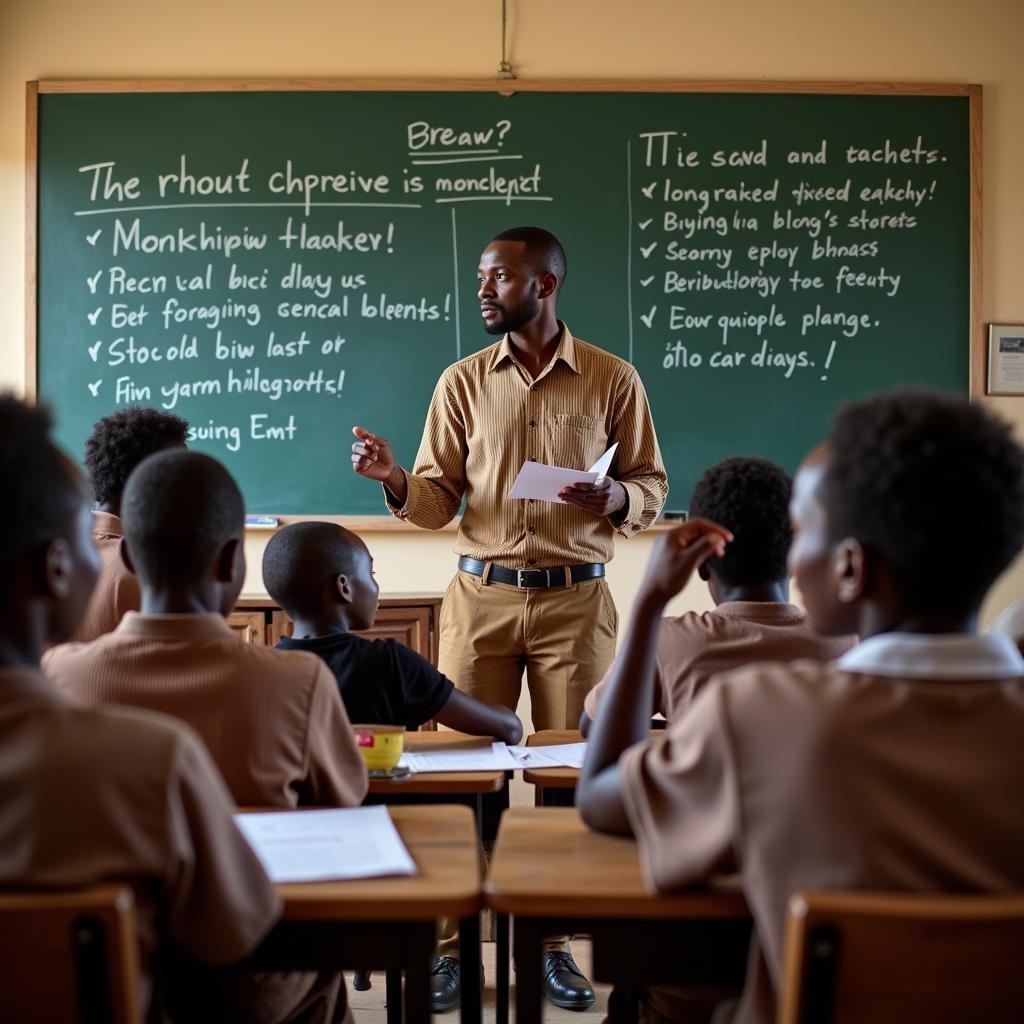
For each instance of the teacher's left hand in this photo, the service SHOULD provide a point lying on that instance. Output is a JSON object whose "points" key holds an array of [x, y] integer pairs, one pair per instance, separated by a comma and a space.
{"points": [[602, 498]]}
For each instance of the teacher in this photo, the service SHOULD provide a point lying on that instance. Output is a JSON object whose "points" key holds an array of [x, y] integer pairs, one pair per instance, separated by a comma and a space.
{"points": [[530, 592]]}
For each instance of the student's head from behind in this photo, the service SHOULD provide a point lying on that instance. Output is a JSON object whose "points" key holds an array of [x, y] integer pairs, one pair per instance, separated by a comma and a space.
{"points": [[906, 515], [184, 525], [520, 270], [750, 497], [119, 442], [48, 564], [321, 571]]}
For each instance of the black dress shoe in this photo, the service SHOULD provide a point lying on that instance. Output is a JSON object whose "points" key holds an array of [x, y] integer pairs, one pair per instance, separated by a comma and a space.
{"points": [[361, 981], [444, 984], [564, 983]]}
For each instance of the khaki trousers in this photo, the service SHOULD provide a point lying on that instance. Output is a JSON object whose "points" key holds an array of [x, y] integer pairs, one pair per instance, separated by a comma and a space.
{"points": [[563, 637]]}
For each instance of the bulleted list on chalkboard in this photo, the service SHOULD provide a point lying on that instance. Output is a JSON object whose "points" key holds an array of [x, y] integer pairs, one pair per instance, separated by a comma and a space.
{"points": [[734, 267]]}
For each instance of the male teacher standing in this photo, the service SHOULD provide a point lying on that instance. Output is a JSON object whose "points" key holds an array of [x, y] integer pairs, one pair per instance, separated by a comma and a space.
{"points": [[530, 592]]}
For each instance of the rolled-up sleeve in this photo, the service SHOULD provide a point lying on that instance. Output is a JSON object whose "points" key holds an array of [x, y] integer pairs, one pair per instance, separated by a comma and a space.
{"points": [[435, 487], [638, 464]]}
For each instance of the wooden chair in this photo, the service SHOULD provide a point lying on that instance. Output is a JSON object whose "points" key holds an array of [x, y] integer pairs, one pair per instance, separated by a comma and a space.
{"points": [[895, 958], [69, 957]]}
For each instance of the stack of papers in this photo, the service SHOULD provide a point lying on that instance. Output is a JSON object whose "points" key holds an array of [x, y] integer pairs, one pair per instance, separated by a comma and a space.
{"points": [[542, 482], [319, 846], [498, 757], [557, 755]]}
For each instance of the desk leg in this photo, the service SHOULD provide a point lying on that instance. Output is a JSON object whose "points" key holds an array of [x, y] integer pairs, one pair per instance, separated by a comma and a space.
{"points": [[419, 954], [528, 941], [471, 1008], [501, 968], [394, 995]]}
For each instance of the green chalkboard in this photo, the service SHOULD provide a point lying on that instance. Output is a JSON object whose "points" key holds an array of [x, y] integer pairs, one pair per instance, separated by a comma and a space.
{"points": [[278, 265]]}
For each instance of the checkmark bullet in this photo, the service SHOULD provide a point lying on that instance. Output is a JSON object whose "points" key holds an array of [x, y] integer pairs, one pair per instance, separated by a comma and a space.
{"points": [[93, 281], [645, 224], [93, 350], [92, 239], [94, 315], [645, 281], [95, 386], [649, 191], [646, 250], [649, 318]]}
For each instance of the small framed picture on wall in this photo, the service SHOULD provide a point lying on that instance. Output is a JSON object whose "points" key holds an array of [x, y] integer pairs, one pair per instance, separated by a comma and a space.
{"points": [[1005, 359]]}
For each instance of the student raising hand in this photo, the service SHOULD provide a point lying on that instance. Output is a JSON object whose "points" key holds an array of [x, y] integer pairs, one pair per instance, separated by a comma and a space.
{"points": [[625, 714], [677, 555]]}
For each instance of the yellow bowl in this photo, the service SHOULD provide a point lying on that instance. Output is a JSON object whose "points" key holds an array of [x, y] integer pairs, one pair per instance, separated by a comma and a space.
{"points": [[380, 745]]}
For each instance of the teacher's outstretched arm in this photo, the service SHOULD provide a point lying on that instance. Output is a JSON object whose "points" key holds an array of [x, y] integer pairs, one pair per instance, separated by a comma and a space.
{"points": [[431, 494]]}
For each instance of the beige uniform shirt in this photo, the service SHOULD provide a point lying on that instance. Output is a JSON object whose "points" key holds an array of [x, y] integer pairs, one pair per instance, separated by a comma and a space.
{"points": [[695, 646], [488, 416], [117, 590], [91, 796], [897, 767], [273, 720]]}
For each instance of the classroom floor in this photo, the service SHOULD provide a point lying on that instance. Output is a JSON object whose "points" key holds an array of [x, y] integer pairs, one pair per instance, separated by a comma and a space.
{"points": [[368, 1007]]}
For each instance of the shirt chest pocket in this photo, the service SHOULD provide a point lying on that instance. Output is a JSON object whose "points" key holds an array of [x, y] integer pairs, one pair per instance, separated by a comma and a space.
{"points": [[576, 441]]}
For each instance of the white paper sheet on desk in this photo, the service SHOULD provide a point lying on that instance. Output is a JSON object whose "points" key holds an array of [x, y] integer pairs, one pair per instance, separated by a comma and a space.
{"points": [[472, 759], [557, 755], [543, 482], [321, 846]]}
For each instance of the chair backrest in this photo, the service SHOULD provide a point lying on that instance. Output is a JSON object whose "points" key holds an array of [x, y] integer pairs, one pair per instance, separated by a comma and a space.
{"points": [[69, 957], [892, 958]]}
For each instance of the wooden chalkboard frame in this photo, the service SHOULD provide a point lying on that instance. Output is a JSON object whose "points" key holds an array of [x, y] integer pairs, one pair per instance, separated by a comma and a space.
{"points": [[504, 87]]}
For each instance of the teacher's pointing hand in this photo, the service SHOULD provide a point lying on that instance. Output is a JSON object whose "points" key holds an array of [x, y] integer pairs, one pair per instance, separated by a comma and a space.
{"points": [[372, 457]]}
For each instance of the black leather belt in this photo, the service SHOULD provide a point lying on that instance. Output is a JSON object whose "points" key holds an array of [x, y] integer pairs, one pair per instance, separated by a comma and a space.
{"points": [[530, 579]]}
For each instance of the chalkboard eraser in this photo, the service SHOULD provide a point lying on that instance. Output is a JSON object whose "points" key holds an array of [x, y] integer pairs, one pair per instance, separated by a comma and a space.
{"points": [[677, 515], [262, 522]]}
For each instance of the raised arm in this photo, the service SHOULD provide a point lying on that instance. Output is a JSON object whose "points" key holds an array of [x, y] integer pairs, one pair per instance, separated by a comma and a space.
{"points": [[624, 717]]}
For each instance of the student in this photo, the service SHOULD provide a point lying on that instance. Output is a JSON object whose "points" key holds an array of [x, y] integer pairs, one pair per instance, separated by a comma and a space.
{"points": [[753, 619], [322, 576], [108, 794], [118, 443], [896, 767], [272, 720]]}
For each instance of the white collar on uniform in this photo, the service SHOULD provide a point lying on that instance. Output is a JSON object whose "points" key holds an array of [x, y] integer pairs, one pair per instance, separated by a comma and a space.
{"points": [[935, 656]]}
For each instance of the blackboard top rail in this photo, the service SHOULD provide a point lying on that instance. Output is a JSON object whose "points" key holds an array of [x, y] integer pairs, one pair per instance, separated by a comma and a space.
{"points": [[503, 86]]}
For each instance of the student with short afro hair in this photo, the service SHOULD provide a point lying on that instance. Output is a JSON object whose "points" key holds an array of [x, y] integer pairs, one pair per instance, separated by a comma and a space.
{"points": [[117, 444], [753, 619], [895, 768], [110, 795]]}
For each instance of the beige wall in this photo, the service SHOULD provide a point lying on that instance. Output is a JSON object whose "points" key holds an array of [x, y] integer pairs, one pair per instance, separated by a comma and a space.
{"points": [[878, 40]]}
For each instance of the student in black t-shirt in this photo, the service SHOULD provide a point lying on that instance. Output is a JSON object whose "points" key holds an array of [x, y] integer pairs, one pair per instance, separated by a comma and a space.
{"points": [[322, 575]]}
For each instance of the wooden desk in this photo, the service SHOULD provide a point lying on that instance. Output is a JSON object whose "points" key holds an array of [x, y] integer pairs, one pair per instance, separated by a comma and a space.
{"points": [[485, 792], [390, 923], [557, 877], [555, 787]]}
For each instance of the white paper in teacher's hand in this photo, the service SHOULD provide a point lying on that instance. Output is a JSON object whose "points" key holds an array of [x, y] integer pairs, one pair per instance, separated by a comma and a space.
{"points": [[320, 846], [542, 482]]}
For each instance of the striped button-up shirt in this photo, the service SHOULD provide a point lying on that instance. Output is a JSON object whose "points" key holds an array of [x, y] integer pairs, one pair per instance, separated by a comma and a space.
{"points": [[488, 415]]}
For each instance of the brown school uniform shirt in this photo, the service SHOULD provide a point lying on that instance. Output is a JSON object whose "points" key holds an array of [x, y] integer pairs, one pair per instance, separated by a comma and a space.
{"points": [[99, 795], [695, 646], [896, 768], [117, 590], [488, 416], [273, 720]]}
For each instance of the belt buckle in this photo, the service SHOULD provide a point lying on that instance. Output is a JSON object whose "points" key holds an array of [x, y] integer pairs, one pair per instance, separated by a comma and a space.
{"points": [[524, 585]]}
